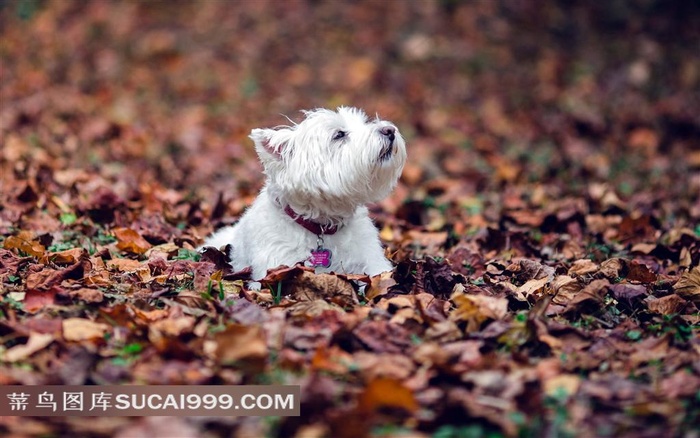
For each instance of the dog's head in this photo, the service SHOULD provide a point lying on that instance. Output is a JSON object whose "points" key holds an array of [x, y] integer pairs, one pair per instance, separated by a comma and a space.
{"points": [[332, 162]]}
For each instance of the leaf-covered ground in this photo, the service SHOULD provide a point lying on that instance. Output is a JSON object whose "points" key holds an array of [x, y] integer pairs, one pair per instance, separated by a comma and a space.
{"points": [[546, 230]]}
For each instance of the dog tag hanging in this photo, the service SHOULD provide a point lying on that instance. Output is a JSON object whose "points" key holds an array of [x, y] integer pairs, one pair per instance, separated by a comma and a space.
{"points": [[320, 257]]}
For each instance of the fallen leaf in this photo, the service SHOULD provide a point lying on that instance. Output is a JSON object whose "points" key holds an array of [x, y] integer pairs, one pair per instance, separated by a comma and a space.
{"points": [[309, 286], [476, 309], [681, 383], [331, 359], [533, 287], [380, 285], [36, 342], [631, 295], [35, 299], [81, 329], [127, 265], [613, 268], [688, 286], [312, 309], [239, 342], [45, 278], [25, 243], [130, 241], [641, 273], [588, 299], [173, 326], [382, 336], [386, 393], [567, 384], [583, 267], [87, 295], [668, 305], [67, 257], [372, 366]]}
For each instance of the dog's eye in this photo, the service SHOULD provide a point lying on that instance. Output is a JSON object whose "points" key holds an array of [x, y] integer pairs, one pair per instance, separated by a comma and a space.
{"points": [[338, 135]]}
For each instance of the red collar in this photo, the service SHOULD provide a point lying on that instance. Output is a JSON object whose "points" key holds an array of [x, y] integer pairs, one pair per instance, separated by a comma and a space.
{"points": [[310, 225]]}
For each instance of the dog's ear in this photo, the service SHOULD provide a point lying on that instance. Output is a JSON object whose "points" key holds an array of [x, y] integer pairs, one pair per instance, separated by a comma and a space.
{"points": [[272, 141]]}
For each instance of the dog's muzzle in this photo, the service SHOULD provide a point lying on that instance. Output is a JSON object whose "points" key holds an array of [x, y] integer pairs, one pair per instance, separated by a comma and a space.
{"points": [[389, 134]]}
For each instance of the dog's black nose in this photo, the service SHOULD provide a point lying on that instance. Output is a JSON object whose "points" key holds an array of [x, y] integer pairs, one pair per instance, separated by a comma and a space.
{"points": [[388, 131]]}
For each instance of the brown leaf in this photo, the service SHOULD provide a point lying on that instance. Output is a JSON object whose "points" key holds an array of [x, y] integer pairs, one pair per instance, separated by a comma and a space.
{"points": [[641, 273], [239, 342], [131, 241], [475, 309], [173, 326], [382, 336], [81, 329], [644, 248], [637, 229], [583, 267], [432, 309], [681, 383], [649, 349], [36, 299], [613, 268], [312, 309], [87, 295], [127, 265], [282, 273], [532, 287], [24, 242], [525, 269], [393, 366], [67, 257], [590, 298], [380, 285], [565, 289], [629, 295], [688, 286], [429, 240], [46, 277], [331, 359], [247, 312], [309, 286], [386, 393], [36, 342], [566, 383], [668, 305]]}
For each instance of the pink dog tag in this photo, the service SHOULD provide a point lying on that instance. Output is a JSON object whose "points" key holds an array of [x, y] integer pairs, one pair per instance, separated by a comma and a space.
{"points": [[320, 257]]}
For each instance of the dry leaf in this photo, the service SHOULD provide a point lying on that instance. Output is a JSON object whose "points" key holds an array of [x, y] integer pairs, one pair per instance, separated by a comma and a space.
{"points": [[36, 342], [80, 329], [87, 295], [568, 383], [239, 342], [23, 242], [128, 265], [67, 257], [668, 305], [475, 309], [583, 267], [130, 241], [173, 326], [532, 287], [688, 286], [35, 299], [386, 393]]}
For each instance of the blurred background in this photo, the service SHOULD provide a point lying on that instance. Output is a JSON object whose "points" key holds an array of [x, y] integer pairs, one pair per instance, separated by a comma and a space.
{"points": [[544, 97]]}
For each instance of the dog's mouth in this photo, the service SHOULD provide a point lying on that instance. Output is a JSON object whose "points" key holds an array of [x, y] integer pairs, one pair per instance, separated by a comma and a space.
{"points": [[386, 152]]}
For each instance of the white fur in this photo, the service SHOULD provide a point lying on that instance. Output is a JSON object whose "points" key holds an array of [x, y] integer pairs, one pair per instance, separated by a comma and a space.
{"points": [[323, 179]]}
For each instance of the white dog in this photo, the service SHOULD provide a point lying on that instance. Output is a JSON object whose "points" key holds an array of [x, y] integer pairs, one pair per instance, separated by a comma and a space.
{"points": [[320, 174]]}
